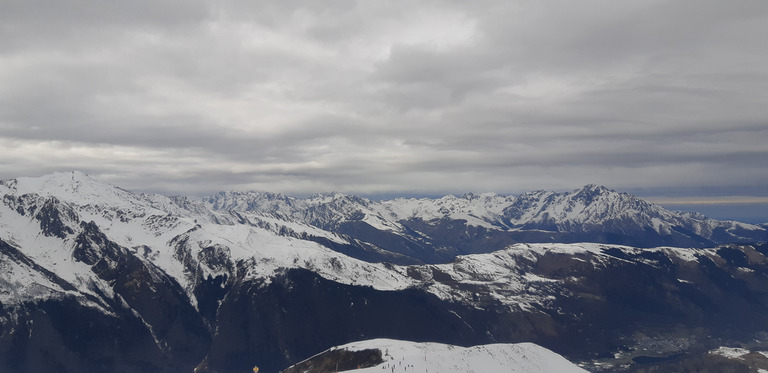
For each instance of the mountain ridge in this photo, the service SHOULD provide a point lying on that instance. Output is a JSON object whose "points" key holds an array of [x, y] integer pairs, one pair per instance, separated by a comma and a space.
{"points": [[592, 213], [189, 286], [402, 230]]}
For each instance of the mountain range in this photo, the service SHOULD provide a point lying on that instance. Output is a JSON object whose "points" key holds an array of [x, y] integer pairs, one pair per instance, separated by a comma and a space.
{"points": [[97, 278], [436, 230]]}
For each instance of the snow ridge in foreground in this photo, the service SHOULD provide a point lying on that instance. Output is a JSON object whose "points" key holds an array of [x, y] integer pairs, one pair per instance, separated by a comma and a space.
{"points": [[404, 356]]}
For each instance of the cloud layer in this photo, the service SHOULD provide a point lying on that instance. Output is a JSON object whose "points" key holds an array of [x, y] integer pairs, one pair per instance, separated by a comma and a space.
{"points": [[388, 96]]}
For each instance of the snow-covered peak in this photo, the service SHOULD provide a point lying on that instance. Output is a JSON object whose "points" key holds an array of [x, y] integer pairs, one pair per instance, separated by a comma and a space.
{"points": [[98, 201], [251, 201], [592, 205], [597, 208], [590, 209], [477, 209], [74, 187], [327, 197], [594, 188]]}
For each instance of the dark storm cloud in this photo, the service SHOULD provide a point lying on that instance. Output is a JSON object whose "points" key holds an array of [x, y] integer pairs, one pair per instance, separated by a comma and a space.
{"points": [[381, 97]]}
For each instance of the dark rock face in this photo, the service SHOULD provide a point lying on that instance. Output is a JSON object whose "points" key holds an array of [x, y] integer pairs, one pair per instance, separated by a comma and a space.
{"points": [[297, 314], [414, 251], [63, 336], [50, 218], [646, 295], [365, 250], [157, 298], [149, 325], [92, 247], [337, 361], [51, 214], [599, 306], [700, 363]]}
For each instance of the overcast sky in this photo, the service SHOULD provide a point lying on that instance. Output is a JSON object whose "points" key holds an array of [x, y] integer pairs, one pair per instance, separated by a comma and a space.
{"points": [[665, 98]]}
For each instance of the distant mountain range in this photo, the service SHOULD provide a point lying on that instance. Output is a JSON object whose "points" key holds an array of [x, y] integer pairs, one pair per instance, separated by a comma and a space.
{"points": [[436, 230], [97, 278]]}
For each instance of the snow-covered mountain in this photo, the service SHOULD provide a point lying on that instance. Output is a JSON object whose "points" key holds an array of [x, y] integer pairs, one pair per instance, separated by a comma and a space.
{"points": [[373, 356], [436, 230], [599, 209], [55, 219], [97, 278]]}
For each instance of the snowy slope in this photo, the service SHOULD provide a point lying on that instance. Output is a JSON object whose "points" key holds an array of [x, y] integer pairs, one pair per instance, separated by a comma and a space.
{"points": [[268, 232], [190, 244], [176, 239], [477, 209], [329, 208], [587, 212], [128, 219], [599, 207], [21, 280], [513, 276], [266, 253], [404, 356]]}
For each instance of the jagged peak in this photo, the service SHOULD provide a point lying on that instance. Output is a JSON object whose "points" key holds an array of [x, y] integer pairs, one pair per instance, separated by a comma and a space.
{"points": [[336, 197], [249, 193], [472, 195], [447, 197], [229, 197], [71, 186], [538, 192], [592, 192], [324, 195], [55, 178], [594, 189]]}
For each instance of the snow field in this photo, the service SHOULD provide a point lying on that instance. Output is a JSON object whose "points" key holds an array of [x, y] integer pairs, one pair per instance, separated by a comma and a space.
{"points": [[403, 356]]}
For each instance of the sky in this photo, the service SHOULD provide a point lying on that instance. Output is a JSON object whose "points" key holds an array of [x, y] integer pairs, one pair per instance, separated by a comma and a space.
{"points": [[660, 98]]}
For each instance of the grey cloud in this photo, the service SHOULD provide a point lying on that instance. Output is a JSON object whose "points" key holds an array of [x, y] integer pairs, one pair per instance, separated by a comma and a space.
{"points": [[79, 26], [362, 97]]}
